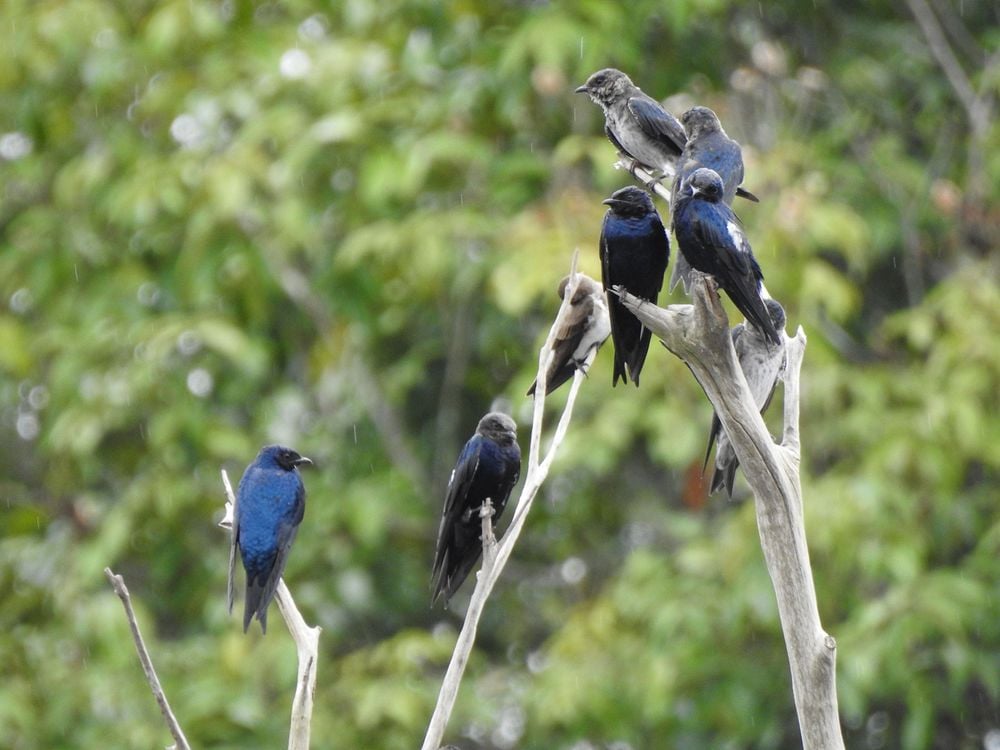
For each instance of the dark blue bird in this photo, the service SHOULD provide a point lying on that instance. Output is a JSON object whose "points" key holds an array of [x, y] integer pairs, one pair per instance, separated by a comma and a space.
{"points": [[761, 362], [487, 467], [712, 240], [707, 147], [270, 503], [634, 254]]}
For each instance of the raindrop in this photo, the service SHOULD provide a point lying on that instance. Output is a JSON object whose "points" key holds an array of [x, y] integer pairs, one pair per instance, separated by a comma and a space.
{"points": [[295, 63], [313, 29], [27, 426], [200, 382], [536, 662], [15, 146], [21, 301], [188, 343], [186, 130], [148, 294], [573, 570], [38, 397]]}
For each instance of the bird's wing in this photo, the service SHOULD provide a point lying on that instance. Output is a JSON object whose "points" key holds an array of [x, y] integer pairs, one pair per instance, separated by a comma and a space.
{"points": [[728, 239], [616, 313], [509, 480], [454, 506], [657, 123], [616, 143], [567, 339]]}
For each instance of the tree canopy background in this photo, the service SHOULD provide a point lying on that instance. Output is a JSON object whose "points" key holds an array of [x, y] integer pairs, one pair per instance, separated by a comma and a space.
{"points": [[340, 226]]}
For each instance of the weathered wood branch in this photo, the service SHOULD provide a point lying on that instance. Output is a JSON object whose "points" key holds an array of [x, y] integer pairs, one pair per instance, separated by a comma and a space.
{"points": [[118, 584], [496, 554], [306, 645], [699, 335]]}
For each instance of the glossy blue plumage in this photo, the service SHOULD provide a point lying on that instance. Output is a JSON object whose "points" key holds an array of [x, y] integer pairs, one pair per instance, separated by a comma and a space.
{"points": [[270, 504], [487, 467], [634, 254], [712, 240]]}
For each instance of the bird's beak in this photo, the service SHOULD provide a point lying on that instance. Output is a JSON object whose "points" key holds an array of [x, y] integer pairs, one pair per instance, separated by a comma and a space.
{"points": [[611, 202], [581, 89], [303, 460]]}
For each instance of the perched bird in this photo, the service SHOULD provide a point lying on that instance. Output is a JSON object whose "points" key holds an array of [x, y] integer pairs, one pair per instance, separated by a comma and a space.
{"points": [[707, 146], [641, 129], [635, 123], [761, 362], [585, 327], [712, 240], [634, 254], [487, 467], [270, 502]]}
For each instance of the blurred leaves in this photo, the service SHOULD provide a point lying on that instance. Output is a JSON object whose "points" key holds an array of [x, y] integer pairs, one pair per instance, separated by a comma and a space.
{"points": [[340, 226]]}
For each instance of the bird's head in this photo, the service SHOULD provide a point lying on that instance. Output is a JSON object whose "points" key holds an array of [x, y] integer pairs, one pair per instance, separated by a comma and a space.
{"points": [[584, 287], [606, 86], [699, 121], [281, 457], [498, 427], [630, 201], [776, 312], [705, 184]]}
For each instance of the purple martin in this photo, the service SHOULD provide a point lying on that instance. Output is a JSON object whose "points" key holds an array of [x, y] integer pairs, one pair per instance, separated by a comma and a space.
{"points": [[270, 503], [641, 129], [634, 254], [761, 362], [487, 467], [586, 326], [712, 240], [707, 146]]}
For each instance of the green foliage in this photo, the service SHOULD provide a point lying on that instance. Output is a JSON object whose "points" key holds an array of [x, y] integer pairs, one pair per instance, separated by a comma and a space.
{"points": [[341, 227]]}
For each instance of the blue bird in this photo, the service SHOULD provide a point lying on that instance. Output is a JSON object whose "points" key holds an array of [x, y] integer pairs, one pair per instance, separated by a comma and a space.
{"points": [[270, 503], [488, 467], [707, 147], [634, 252], [761, 362], [712, 240]]}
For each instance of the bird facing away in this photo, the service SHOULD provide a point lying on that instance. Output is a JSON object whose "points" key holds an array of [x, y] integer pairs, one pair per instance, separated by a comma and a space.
{"points": [[707, 146], [641, 129], [635, 123], [712, 240], [270, 503], [634, 254], [585, 327], [487, 467], [761, 362]]}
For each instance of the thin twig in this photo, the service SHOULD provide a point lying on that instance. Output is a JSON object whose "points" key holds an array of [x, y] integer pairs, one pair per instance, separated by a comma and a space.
{"points": [[118, 584], [538, 470], [306, 646]]}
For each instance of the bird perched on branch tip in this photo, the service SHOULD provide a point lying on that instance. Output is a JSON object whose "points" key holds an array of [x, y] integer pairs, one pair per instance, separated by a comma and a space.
{"points": [[584, 328], [270, 504]]}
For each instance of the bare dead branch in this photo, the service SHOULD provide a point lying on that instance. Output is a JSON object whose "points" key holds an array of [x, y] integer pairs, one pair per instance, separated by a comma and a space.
{"points": [[306, 646], [699, 335], [118, 584], [537, 471]]}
